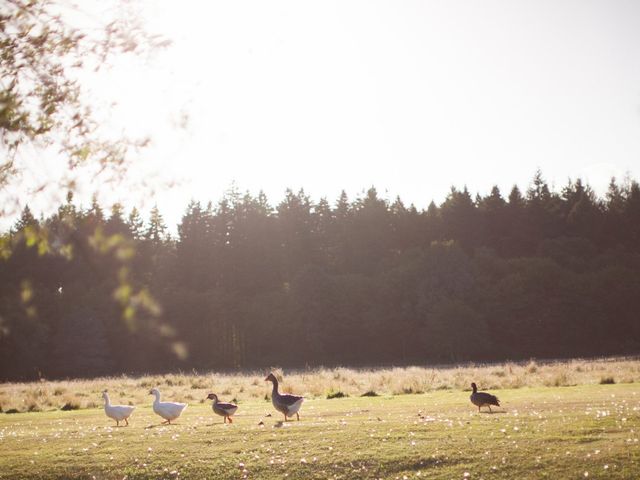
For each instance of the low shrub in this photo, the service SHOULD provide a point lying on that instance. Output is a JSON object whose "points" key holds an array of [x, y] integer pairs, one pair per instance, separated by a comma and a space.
{"points": [[70, 405], [370, 393], [337, 394], [411, 391]]}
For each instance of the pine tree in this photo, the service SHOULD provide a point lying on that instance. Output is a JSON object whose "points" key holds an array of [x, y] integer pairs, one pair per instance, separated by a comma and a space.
{"points": [[492, 210], [96, 210], [156, 231], [459, 217], [295, 225], [116, 224], [136, 224], [26, 220]]}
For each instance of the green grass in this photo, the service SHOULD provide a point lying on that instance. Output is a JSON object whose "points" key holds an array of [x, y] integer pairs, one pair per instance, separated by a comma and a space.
{"points": [[544, 432]]}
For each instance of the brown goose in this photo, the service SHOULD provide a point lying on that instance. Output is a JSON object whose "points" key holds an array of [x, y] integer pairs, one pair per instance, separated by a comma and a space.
{"points": [[285, 403], [223, 409], [481, 399]]}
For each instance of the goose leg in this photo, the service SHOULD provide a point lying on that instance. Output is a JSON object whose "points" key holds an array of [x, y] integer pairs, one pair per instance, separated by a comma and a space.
{"points": [[117, 423], [489, 408], [126, 421], [298, 415], [230, 421]]}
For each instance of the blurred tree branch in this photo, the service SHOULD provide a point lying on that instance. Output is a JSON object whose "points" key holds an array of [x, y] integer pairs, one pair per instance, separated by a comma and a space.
{"points": [[43, 56], [47, 49]]}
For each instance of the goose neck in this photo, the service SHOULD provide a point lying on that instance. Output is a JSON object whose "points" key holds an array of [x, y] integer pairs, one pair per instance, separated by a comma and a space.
{"points": [[107, 403], [275, 386]]}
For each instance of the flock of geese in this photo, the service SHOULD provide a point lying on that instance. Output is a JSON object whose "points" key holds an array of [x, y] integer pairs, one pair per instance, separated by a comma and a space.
{"points": [[285, 403]]}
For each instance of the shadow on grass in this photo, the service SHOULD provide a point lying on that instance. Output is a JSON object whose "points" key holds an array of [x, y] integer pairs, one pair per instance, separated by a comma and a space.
{"points": [[158, 425], [420, 464], [365, 468]]}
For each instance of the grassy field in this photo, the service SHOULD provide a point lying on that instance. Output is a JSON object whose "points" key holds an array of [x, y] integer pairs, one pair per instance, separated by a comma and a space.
{"points": [[192, 387], [586, 431]]}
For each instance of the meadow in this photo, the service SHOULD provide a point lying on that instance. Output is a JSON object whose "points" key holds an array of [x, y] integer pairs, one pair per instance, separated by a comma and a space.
{"points": [[575, 419], [315, 383]]}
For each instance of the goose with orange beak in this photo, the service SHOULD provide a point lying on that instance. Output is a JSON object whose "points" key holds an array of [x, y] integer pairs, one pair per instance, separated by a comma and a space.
{"points": [[285, 403], [223, 409]]}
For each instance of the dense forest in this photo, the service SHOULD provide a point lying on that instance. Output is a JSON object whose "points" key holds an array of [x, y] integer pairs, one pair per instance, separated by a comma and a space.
{"points": [[362, 281]]}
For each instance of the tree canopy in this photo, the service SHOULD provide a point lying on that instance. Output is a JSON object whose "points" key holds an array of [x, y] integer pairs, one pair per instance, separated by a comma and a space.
{"points": [[351, 281]]}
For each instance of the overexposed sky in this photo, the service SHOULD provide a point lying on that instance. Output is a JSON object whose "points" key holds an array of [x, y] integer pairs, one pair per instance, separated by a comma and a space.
{"points": [[409, 96]]}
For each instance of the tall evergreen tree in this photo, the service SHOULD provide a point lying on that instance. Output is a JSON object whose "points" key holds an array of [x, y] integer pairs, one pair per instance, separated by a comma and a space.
{"points": [[493, 212], [459, 217], [156, 232], [352, 283], [26, 220], [136, 224], [296, 225]]}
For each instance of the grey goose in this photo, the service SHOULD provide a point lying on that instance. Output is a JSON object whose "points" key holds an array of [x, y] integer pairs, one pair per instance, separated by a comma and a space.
{"points": [[223, 409], [285, 403]]}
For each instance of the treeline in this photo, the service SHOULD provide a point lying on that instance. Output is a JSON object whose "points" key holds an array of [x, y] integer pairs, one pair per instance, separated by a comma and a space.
{"points": [[357, 282]]}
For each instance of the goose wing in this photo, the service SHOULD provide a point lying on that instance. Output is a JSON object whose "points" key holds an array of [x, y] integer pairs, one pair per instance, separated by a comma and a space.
{"points": [[119, 412], [289, 399], [226, 406], [224, 409], [488, 399], [170, 408], [124, 409]]}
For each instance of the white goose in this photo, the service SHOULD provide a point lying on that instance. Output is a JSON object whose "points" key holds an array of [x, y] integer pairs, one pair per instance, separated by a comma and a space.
{"points": [[117, 412], [167, 410]]}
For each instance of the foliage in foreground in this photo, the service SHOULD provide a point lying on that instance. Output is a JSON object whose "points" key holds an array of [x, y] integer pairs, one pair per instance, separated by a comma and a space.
{"points": [[569, 432], [47, 53]]}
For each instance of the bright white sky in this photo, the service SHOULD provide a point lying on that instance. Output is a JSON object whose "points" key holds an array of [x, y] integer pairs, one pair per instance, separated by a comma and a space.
{"points": [[409, 96]]}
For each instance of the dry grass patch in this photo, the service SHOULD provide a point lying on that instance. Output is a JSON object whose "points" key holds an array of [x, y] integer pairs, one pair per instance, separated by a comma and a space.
{"points": [[315, 383]]}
